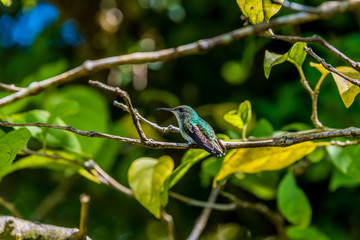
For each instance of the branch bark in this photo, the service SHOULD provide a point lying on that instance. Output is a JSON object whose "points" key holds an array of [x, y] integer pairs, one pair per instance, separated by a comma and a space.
{"points": [[17, 228]]}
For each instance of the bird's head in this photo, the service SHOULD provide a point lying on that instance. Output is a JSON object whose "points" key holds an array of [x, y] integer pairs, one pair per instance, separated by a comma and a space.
{"points": [[181, 112]]}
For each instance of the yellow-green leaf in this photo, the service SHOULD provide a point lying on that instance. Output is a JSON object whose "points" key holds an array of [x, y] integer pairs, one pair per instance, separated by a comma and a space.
{"points": [[347, 90], [240, 117], [6, 3], [253, 160], [293, 202], [245, 112], [319, 67], [297, 54], [146, 178], [272, 59], [258, 11]]}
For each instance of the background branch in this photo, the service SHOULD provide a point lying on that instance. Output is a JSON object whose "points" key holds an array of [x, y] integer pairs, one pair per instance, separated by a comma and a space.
{"points": [[197, 47]]}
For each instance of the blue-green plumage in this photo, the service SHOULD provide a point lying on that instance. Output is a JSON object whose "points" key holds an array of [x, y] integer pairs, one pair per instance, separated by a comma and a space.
{"points": [[195, 129]]}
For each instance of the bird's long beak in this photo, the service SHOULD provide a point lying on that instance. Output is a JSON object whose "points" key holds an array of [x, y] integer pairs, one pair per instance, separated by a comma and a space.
{"points": [[165, 109]]}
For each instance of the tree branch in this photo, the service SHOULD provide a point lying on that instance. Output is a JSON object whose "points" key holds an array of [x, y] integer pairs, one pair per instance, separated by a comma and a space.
{"points": [[197, 47], [330, 67], [10, 88], [167, 129], [205, 214], [126, 98], [276, 219], [277, 141], [16, 228], [318, 40]]}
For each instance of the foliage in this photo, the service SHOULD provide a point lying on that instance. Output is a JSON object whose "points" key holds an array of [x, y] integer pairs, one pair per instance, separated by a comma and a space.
{"points": [[310, 183]]}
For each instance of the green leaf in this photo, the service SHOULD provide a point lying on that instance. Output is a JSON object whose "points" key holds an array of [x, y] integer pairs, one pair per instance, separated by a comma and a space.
{"points": [[191, 157], [258, 11], [12, 143], [253, 160], [245, 112], [347, 90], [209, 168], [346, 160], [35, 161], [293, 203], [263, 128], [88, 101], [272, 59], [55, 137], [310, 233], [339, 179], [146, 178], [297, 54], [263, 185], [6, 3]]}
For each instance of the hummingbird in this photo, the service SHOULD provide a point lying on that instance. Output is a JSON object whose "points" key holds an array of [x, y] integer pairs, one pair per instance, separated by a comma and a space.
{"points": [[195, 129]]}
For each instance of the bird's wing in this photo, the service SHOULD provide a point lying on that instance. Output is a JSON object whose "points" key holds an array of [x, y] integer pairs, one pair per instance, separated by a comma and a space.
{"points": [[205, 138]]}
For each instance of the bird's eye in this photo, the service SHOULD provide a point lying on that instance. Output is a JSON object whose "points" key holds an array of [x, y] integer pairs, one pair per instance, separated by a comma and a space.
{"points": [[181, 110]]}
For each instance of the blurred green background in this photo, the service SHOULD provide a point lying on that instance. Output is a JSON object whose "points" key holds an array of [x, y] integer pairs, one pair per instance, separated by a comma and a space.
{"points": [[40, 39]]}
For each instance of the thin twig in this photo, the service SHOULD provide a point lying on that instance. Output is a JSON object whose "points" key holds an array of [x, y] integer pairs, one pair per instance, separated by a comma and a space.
{"points": [[318, 40], [125, 96], [167, 129], [297, 7], [168, 219], [205, 214], [84, 215], [331, 68], [10, 87], [276, 219], [197, 47], [198, 203], [107, 179], [9, 206], [314, 96]]}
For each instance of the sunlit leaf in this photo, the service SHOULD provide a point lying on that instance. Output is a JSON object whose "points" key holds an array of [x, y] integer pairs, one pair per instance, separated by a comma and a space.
{"points": [[240, 117], [319, 67], [253, 160], [293, 203], [272, 59], [258, 11], [346, 160], [6, 3], [347, 90], [339, 179], [146, 178], [309, 233], [55, 137], [191, 157], [35, 161], [297, 54]]}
